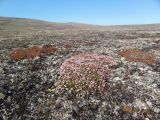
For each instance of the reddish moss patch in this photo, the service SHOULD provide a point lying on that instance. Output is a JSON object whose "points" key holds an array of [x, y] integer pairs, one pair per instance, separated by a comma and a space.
{"points": [[48, 49], [26, 53], [135, 55]]}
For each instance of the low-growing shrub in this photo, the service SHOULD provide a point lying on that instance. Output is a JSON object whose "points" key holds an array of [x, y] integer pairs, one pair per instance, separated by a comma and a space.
{"points": [[48, 49], [135, 55], [18, 54], [85, 74], [32, 52], [26, 53], [67, 46]]}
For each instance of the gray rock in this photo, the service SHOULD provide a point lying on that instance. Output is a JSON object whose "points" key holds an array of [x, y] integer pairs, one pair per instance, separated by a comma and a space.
{"points": [[2, 96], [1, 70]]}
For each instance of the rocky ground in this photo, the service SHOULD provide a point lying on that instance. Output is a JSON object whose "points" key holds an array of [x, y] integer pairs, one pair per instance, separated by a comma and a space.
{"points": [[27, 87]]}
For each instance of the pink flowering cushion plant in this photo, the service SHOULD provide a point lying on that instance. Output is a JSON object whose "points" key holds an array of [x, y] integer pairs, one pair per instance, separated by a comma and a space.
{"points": [[85, 74]]}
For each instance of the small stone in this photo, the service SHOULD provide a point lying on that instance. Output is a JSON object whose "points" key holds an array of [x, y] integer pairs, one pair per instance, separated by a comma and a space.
{"points": [[75, 108], [129, 88], [135, 115], [122, 58], [116, 109], [2, 96], [150, 72], [1, 70], [117, 79], [9, 99], [146, 118], [154, 85], [37, 86], [140, 105], [156, 110], [149, 103], [137, 77], [36, 58], [141, 69]]}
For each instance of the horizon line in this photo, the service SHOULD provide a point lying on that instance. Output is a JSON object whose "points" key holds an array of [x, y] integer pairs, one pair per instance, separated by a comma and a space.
{"points": [[78, 22]]}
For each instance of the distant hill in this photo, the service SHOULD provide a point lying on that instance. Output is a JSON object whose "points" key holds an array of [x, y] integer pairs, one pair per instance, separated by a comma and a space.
{"points": [[31, 25]]}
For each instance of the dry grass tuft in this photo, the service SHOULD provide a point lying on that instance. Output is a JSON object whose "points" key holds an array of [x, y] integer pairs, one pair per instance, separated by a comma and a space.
{"points": [[135, 55], [129, 109], [27, 53]]}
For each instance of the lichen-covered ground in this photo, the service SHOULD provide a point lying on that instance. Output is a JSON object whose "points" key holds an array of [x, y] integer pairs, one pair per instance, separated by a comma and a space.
{"points": [[27, 87]]}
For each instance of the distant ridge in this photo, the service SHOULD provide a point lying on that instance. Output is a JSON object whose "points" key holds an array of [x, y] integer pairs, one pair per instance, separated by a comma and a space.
{"points": [[32, 25]]}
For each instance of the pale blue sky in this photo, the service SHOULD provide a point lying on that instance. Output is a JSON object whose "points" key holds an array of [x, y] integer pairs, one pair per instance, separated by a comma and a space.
{"points": [[103, 12]]}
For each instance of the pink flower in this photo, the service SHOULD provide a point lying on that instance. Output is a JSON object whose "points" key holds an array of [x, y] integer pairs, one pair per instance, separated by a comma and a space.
{"points": [[85, 73]]}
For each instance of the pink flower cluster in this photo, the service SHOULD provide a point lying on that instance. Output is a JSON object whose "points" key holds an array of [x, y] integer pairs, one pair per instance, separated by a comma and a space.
{"points": [[85, 74]]}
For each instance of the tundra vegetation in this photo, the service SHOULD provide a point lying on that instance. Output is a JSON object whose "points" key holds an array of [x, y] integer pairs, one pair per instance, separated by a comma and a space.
{"points": [[54, 71]]}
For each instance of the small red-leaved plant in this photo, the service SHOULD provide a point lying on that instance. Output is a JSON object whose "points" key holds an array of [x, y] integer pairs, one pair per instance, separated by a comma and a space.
{"points": [[135, 55], [26, 53]]}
